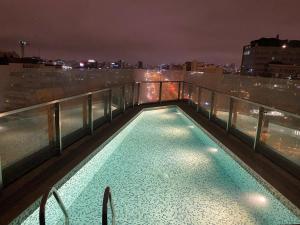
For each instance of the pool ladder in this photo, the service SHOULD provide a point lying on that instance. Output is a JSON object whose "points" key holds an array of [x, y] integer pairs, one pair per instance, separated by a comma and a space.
{"points": [[106, 197], [60, 203]]}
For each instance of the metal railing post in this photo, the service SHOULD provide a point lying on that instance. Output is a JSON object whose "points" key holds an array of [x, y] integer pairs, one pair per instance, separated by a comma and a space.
{"points": [[160, 91], [57, 114], [179, 86], [1, 179], [189, 94], [258, 128], [90, 113], [106, 103], [211, 111], [199, 98], [138, 94], [229, 114], [182, 96], [110, 104], [133, 95], [123, 98]]}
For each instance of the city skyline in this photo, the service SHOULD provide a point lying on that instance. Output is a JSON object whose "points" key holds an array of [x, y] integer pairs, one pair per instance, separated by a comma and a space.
{"points": [[156, 32]]}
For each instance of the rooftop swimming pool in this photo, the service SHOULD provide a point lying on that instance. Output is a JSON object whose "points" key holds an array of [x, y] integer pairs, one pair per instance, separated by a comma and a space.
{"points": [[164, 169]]}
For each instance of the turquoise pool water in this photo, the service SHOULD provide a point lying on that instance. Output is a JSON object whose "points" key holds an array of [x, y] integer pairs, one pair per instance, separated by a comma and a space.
{"points": [[163, 169]]}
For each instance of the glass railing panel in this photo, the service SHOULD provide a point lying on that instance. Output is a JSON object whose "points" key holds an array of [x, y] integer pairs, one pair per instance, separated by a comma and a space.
{"points": [[25, 134], [73, 116], [194, 94], [245, 117], [205, 100], [116, 101], [169, 91], [135, 93], [186, 90], [128, 95], [149, 92], [281, 132], [100, 106], [221, 106]]}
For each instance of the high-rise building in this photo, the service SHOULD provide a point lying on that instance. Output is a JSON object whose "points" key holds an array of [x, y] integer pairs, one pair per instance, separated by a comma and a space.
{"points": [[176, 67], [260, 54], [230, 68], [194, 65], [202, 67]]}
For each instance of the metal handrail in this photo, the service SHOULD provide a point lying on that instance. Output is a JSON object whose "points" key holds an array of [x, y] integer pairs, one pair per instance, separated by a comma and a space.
{"points": [[159, 81], [136, 99], [60, 203], [246, 100], [2, 114], [107, 197]]}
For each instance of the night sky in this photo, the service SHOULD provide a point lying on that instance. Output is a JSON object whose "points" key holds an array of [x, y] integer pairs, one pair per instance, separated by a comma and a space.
{"points": [[156, 31]]}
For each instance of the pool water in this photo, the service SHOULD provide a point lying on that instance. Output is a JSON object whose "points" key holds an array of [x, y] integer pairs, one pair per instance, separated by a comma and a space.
{"points": [[163, 169]]}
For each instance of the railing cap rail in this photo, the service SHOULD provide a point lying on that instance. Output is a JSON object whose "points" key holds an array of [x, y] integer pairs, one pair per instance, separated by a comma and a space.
{"points": [[247, 100], [2, 114], [15, 111]]}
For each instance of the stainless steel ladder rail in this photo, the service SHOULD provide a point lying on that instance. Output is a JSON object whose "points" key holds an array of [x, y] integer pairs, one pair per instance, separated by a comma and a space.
{"points": [[60, 203], [107, 197]]}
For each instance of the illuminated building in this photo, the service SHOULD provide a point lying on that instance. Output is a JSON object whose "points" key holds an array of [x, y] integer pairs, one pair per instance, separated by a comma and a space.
{"points": [[283, 70], [261, 55], [202, 67]]}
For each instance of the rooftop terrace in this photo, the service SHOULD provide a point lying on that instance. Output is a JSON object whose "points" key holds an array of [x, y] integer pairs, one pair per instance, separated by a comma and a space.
{"points": [[39, 144]]}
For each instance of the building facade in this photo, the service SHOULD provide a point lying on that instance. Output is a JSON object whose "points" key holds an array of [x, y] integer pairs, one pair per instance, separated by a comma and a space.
{"points": [[202, 67], [260, 54], [283, 71]]}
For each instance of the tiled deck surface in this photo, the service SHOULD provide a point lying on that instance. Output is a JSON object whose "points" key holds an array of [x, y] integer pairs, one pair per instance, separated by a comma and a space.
{"points": [[23, 192]]}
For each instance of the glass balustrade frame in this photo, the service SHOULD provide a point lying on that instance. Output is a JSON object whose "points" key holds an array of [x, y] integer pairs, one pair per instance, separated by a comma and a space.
{"points": [[129, 95], [254, 141]]}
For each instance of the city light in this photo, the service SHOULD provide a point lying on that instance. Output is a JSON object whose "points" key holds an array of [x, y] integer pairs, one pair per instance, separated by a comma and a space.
{"points": [[274, 113], [2, 128], [81, 64], [64, 67], [284, 46], [269, 113], [91, 60], [197, 72]]}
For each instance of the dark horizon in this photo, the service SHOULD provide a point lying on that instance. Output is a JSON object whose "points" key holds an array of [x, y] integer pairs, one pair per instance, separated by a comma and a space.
{"points": [[154, 32]]}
